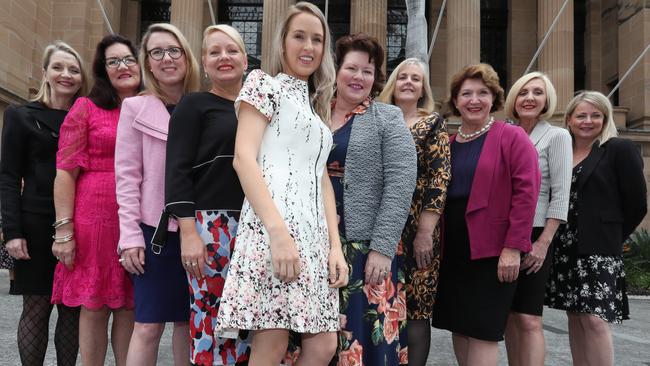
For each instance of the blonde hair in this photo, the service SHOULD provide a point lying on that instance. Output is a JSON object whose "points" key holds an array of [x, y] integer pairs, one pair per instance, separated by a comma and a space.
{"points": [[191, 81], [426, 105], [229, 31], [321, 82], [602, 103], [551, 95], [44, 94]]}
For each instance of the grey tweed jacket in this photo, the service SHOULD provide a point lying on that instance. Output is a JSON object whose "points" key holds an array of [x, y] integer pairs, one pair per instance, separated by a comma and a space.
{"points": [[379, 178]]}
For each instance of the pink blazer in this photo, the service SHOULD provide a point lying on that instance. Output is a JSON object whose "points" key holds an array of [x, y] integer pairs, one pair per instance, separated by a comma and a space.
{"points": [[140, 167], [503, 198]]}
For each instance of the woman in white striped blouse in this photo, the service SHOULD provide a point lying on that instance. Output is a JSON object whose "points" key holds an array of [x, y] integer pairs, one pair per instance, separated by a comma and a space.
{"points": [[530, 102]]}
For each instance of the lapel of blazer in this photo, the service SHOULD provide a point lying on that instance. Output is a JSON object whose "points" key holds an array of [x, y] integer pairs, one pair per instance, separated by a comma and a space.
{"points": [[541, 128], [52, 119], [590, 163], [152, 118], [484, 174]]}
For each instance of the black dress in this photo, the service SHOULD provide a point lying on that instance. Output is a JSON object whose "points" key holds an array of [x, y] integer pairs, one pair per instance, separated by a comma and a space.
{"points": [[470, 300], [592, 284], [29, 143]]}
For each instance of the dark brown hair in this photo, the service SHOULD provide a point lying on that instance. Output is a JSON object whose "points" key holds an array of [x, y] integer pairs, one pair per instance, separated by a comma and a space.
{"points": [[103, 94], [483, 72], [363, 43]]}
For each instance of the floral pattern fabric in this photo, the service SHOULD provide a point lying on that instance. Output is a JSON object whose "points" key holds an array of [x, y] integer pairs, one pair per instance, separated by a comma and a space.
{"points": [[217, 230], [592, 284], [434, 172], [373, 317], [292, 160], [87, 142]]}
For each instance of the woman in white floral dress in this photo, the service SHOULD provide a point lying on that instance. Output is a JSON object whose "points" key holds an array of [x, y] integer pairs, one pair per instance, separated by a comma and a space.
{"points": [[287, 261]]}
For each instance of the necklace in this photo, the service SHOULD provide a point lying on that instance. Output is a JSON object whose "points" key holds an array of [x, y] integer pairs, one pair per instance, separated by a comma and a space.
{"points": [[469, 136]]}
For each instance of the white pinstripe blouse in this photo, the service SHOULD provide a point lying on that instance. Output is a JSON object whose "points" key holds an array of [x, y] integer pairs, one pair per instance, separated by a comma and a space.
{"points": [[555, 156]]}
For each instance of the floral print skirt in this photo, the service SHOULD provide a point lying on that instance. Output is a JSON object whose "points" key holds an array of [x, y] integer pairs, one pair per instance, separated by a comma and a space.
{"points": [[373, 317], [592, 284], [217, 230]]}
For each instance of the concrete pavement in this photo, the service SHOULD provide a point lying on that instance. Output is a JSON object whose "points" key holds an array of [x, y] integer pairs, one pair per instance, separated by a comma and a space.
{"points": [[631, 339]]}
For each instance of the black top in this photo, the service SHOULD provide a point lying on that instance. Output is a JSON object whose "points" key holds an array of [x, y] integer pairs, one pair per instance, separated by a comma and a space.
{"points": [[611, 197], [200, 148], [30, 138], [336, 167], [464, 158]]}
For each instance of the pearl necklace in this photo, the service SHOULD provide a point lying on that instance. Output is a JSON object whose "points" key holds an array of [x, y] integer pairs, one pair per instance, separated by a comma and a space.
{"points": [[469, 136]]}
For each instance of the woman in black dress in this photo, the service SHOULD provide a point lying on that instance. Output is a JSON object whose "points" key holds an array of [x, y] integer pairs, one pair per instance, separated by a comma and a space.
{"points": [[488, 218], [203, 194], [606, 203], [29, 144]]}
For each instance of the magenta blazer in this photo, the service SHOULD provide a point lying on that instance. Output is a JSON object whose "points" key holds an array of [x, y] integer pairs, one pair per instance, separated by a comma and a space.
{"points": [[140, 167], [503, 198]]}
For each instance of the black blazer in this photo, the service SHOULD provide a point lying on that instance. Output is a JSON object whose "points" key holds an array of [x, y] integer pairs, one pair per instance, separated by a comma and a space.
{"points": [[612, 197], [30, 138]]}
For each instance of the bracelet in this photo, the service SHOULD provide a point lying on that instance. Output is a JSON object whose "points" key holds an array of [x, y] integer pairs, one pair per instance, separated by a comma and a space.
{"points": [[60, 222], [62, 239]]}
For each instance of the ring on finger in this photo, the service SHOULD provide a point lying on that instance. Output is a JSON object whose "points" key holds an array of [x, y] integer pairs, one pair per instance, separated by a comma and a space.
{"points": [[193, 264]]}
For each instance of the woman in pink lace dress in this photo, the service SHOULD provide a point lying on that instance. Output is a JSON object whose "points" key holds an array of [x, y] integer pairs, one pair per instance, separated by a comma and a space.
{"points": [[87, 229]]}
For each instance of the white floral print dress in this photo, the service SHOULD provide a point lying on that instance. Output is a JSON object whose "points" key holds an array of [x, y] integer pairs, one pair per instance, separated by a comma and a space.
{"points": [[292, 158]]}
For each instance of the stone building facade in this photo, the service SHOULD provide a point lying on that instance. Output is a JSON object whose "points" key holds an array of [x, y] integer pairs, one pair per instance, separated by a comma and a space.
{"points": [[591, 47]]}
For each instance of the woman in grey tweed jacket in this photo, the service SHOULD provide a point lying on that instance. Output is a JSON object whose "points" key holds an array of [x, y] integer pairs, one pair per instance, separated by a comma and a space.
{"points": [[531, 100], [373, 170]]}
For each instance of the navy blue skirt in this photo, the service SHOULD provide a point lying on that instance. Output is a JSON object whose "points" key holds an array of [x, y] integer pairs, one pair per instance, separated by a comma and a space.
{"points": [[162, 292]]}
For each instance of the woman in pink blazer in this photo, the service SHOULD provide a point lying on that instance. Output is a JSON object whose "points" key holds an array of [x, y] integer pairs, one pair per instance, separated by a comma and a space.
{"points": [[488, 218], [160, 289]]}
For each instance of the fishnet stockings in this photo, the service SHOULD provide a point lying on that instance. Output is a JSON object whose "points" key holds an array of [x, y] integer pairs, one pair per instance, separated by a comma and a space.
{"points": [[33, 331]]}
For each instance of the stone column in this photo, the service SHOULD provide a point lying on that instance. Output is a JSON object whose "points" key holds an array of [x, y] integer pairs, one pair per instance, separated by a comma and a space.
{"points": [[187, 15], [438, 61], [556, 59], [274, 12], [522, 36], [593, 46], [463, 35], [633, 38], [370, 17], [130, 20]]}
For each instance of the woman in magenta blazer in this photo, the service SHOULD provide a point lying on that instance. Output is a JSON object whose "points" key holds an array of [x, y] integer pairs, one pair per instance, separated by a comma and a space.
{"points": [[160, 290], [488, 218]]}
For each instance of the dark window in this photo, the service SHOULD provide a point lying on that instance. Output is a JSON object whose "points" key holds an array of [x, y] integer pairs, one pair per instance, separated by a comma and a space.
{"points": [[494, 36], [153, 11], [338, 17], [397, 20], [246, 17]]}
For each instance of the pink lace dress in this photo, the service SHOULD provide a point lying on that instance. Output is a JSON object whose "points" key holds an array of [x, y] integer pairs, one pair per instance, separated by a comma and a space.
{"points": [[87, 142]]}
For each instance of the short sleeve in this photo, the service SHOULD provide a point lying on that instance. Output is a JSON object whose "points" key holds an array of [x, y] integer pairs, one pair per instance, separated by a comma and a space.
{"points": [[259, 91], [73, 137]]}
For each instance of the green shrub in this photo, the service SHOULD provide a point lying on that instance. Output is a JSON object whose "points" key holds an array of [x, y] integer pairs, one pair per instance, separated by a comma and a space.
{"points": [[636, 256]]}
